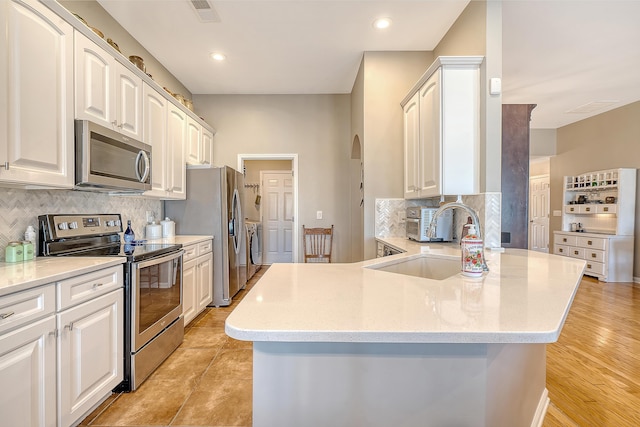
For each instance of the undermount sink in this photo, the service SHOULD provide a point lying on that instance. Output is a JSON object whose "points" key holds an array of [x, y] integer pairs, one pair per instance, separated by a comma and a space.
{"points": [[422, 266]]}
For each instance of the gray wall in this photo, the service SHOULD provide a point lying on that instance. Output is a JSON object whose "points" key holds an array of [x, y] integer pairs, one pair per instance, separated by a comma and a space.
{"points": [[316, 127]]}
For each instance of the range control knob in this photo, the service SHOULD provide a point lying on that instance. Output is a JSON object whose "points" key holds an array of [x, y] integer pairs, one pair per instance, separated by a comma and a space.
{"points": [[62, 226], [73, 225]]}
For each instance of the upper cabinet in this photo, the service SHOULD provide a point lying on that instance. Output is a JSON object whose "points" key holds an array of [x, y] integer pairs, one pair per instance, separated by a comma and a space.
{"points": [[177, 133], [442, 130], [36, 96], [106, 91], [199, 144]]}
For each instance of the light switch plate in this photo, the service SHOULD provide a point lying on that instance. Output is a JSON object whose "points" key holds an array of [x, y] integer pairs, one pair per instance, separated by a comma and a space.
{"points": [[319, 215], [495, 86], [557, 213]]}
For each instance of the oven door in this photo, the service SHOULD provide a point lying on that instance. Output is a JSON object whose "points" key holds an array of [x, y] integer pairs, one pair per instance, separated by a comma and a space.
{"points": [[156, 296]]}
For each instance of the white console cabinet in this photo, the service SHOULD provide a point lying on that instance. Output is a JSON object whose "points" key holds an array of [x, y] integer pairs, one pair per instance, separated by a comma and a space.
{"points": [[598, 222]]}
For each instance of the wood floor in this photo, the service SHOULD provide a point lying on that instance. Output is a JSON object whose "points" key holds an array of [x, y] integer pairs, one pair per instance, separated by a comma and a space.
{"points": [[593, 371]]}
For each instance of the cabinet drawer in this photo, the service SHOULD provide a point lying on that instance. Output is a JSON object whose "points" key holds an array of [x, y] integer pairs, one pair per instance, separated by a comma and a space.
{"points": [[205, 247], [561, 250], [610, 209], [88, 286], [190, 252], [594, 255], [592, 243], [575, 252], [571, 209], [23, 307], [587, 209], [566, 240], [594, 268]]}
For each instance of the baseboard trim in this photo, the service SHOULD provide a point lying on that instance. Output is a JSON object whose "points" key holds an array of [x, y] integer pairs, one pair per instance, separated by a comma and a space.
{"points": [[541, 410]]}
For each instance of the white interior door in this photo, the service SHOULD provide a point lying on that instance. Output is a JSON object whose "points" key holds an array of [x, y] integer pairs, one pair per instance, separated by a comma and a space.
{"points": [[539, 213], [277, 216]]}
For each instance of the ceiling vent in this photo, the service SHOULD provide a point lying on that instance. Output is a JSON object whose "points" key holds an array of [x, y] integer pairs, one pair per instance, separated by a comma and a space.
{"points": [[592, 107], [204, 10]]}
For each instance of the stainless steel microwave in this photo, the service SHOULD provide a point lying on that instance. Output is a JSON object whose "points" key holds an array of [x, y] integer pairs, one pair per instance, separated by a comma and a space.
{"points": [[109, 161]]}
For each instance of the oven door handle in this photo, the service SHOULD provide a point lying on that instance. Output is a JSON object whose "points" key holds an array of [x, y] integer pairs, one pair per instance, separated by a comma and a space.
{"points": [[160, 260]]}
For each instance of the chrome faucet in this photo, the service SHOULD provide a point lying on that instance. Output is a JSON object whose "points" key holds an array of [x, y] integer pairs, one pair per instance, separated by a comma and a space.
{"points": [[431, 231]]}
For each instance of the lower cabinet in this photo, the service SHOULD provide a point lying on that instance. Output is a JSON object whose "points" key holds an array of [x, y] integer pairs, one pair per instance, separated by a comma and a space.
{"points": [[609, 257], [61, 349], [197, 284]]}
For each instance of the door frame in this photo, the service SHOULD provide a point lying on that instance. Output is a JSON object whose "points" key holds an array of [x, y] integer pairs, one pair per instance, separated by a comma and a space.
{"points": [[294, 167]]}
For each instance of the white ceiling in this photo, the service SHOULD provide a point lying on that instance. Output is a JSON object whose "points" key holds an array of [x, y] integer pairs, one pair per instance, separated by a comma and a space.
{"points": [[558, 54]]}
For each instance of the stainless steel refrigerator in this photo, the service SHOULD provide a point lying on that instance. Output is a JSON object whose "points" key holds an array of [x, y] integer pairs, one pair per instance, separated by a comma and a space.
{"points": [[214, 206]]}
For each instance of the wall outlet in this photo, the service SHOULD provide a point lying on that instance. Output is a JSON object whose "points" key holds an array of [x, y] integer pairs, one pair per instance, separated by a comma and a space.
{"points": [[557, 213], [319, 215], [150, 216], [401, 216]]}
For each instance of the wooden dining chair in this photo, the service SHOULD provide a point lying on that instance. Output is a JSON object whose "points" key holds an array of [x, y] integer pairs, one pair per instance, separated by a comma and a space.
{"points": [[317, 243]]}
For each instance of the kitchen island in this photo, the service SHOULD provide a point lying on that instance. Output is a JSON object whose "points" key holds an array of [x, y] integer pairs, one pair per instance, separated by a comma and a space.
{"points": [[354, 345]]}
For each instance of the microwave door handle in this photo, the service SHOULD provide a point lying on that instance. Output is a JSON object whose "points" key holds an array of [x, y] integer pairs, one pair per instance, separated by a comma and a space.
{"points": [[142, 155]]}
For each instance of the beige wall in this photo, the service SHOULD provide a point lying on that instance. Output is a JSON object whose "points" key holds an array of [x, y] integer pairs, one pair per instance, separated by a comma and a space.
{"points": [[97, 17], [316, 127], [541, 166], [252, 177], [542, 142], [356, 165], [387, 78], [609, 140]]}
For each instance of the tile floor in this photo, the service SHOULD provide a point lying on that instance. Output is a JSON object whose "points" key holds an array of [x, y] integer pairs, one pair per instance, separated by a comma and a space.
{"points": [[207, 381]]}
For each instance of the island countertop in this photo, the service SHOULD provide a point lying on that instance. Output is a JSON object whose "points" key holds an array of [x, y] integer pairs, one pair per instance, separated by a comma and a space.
{"points": [[524, 298]]}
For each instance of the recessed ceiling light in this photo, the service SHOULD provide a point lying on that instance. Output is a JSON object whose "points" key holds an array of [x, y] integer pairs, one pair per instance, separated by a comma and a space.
{"points": [[218, 56], [382, 23]]}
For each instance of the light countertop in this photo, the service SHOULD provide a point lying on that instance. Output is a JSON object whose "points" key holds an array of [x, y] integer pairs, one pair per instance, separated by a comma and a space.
{"points": [[524, 298], [20, 276], [15, 277]]}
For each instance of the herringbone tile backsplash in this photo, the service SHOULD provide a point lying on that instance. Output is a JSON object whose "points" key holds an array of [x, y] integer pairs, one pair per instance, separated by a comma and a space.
{"points": [[20, 208]]}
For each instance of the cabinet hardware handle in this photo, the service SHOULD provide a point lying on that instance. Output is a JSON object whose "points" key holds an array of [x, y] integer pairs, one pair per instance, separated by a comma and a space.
{"points": [[593, 255], [115, 123], [564, 240], [589, 242], [588, 209], [588, 265], [6, 165], [54, 333], [606, 209], [560, 250], [69, 326], [95, 285], [575, 252], [5, 315]]}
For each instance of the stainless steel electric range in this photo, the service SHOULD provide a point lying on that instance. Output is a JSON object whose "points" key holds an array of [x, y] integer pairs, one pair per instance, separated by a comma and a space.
{"points": [[153, 321]]}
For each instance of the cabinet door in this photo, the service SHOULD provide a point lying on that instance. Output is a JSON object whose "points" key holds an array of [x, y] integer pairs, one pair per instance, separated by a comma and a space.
{"points": [[155, 134], [193, 147], [189, 279], [205, 281], [36, 96], [95, 95], [411, 153], [28, 375], [430, 137], [177, 129], [129, 102], [90, 348], [207, 147]]}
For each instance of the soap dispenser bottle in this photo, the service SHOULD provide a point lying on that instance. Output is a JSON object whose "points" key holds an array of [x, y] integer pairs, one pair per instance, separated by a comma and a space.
{"points": [[472, 253]]}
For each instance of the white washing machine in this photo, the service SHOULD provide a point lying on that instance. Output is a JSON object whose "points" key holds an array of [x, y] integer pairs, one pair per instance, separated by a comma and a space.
{"points": [[254, 247]]}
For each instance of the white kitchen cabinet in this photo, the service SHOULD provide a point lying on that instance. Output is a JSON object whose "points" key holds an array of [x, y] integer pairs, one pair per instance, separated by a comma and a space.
{"points": [[197, 284], [609, 258], [176, 136], [602, 205], [156, 134], [106, 91], [199, 146], [442, 130], [90, 341], [36, 96], [28, 358]]}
